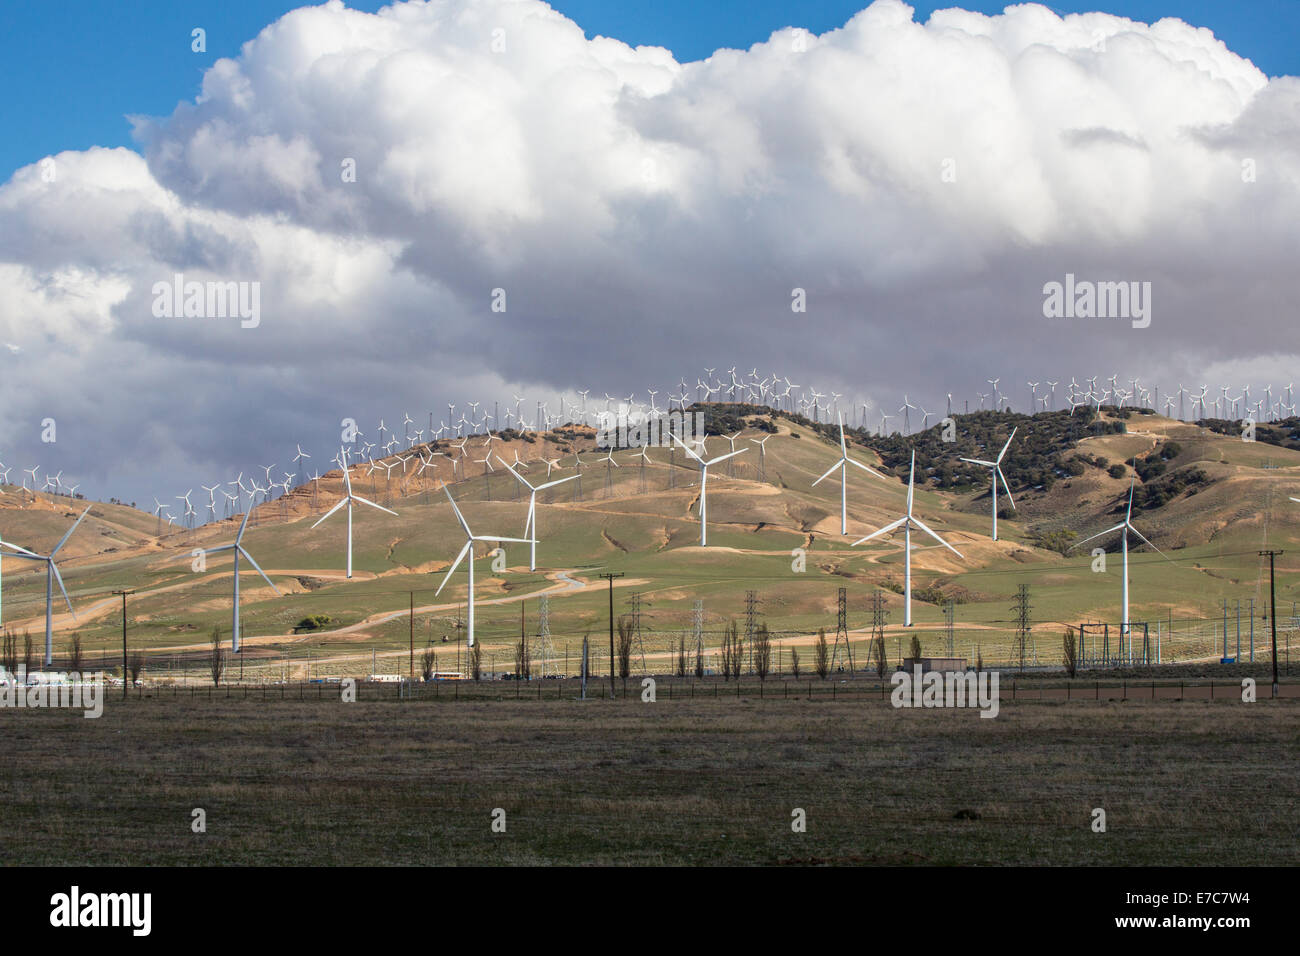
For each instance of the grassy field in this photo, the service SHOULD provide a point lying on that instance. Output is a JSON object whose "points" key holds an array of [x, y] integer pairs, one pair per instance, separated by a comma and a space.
{"points": [[682, 781]]}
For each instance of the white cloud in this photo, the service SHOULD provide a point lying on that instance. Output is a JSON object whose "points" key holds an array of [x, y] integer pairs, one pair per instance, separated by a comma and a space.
{"points": [[645, 217]]}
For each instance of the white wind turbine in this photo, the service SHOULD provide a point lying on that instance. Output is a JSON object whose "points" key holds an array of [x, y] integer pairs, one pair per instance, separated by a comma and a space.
{"points": [[995, 472], [530, 526], [906, 522], [471, 537], [236, 550], [704, 482], [51, 575], [347, 499], [1125, 527], [843, 465]]}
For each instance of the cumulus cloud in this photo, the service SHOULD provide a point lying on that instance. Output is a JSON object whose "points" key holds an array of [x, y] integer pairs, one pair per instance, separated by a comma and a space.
{"points": [[645, 217]]}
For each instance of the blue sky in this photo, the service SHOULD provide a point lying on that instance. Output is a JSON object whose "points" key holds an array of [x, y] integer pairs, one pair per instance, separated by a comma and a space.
{"points": [[77, 68]]}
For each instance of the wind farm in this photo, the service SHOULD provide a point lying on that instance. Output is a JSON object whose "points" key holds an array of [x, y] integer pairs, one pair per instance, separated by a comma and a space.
{"points": [[844, 438]]}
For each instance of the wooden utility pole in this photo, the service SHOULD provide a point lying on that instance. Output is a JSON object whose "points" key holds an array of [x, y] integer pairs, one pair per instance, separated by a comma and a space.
{"points": [[610, 576], [125, 672], [412, 666], [1272, 612]]}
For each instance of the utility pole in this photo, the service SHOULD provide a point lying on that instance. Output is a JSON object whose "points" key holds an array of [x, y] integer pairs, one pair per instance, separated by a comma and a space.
{"points": [[412, 665], [125, 672], [1272, 612], [610, 576]]}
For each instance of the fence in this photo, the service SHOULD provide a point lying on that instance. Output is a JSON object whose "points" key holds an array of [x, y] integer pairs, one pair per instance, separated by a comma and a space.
{"points": [[667, 689]]}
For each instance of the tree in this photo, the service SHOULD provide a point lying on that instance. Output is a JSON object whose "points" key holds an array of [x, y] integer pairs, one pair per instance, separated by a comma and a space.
{"points": [[428, 664], [476, 660], [74, 654], [794, 662], [732, 652], [879, 655], [699, 662], [217, 660], [915, 652], [137, 666], [821, 654], [28, 651], [523, 670], [761, 651], [9, 655], [681, 656], [1071, 653]]}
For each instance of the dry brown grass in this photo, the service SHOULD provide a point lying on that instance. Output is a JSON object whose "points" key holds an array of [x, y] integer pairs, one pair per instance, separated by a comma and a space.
{"points": [[676, 782]]}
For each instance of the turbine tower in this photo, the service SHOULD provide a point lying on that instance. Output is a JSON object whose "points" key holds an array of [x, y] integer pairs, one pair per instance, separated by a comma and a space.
{"points": [[906, 522], [1125, 527], [530, 527], [843, 466], [704, 482], [347, 499], [471, 537], [51, 575], [995, 472], [236, 550]]}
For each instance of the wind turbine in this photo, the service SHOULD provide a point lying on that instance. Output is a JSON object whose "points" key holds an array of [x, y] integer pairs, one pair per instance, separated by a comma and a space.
{"points": [[471, 537], [843, 466], [704, 482], [906, 522], [1124, 526], [530, 526], [51, 575], [236, 550], [995, 472], [347, 499]]}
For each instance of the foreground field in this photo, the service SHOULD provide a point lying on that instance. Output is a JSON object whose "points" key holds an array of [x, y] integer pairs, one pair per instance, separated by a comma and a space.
{"points": [[682, 781]]}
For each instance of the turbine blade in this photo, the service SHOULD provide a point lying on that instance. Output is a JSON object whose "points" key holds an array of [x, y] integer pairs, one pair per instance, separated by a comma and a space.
{"points": [[730, 454], [1005, 486], [1008, 444], [924, 527], [58, 577], [259, 569], [515, 473], [1149, 544], [911, 482], [686, 448], [340, 504], [552, 484], [885, 530], [980, 461], [367, 501], [454, 565], [239, 536], [829, 471], [64, 539], [1097, 535], [459, 517], [23, 552], [866, 468]]}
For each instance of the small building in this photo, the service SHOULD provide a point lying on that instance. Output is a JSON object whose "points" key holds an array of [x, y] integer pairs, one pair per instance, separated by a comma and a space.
{"points": [[942, 664]]}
